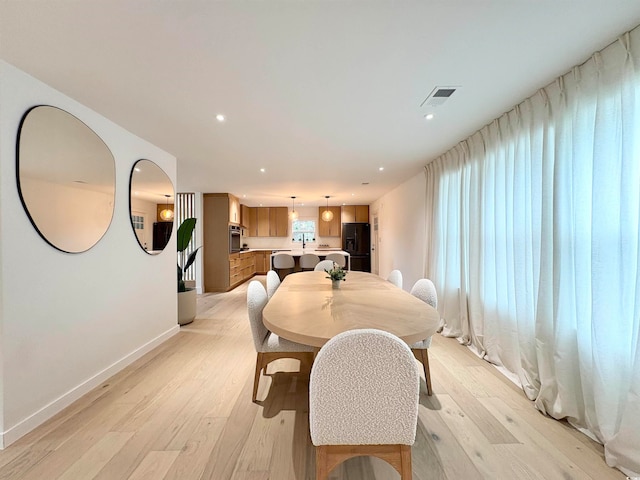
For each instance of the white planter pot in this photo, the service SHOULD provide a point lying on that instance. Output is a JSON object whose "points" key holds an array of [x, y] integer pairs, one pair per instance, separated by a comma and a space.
{"points": [[186, 307]]}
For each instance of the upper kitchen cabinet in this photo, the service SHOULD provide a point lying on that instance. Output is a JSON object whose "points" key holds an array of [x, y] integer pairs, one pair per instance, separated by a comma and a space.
{"points": [[263, 222], [278, 221], [234, 210], [268, 222], [331, 228], [355, 214], [251, 222], [245, 217]]}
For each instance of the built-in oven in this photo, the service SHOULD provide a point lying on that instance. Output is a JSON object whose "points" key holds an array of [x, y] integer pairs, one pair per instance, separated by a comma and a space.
{"points": [[234, 238]]}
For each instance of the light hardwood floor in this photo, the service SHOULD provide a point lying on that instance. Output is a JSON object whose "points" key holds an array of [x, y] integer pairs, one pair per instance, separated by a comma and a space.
{"points": [[184, 412]]}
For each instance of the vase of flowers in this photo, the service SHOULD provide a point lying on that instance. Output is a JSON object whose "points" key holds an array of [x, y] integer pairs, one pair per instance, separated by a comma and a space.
{"points": [[336, 274]]}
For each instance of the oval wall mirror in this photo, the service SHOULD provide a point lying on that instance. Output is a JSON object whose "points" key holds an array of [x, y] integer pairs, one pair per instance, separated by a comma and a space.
{"points": [[151, 200], [66, 179]]}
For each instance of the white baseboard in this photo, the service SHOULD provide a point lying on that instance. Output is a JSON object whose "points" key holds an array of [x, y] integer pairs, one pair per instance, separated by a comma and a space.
{"points": [[38, 418]]}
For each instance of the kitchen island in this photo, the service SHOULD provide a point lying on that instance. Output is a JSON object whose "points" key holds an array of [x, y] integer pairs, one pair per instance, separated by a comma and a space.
{"points": [[321, 252]]}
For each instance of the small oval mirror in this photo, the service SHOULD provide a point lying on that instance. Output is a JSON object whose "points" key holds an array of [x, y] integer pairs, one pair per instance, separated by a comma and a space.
{"points": [[66, 179], [151, 199]]}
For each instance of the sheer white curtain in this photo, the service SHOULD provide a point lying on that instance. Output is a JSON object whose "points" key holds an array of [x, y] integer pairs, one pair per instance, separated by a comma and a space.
{"points": [[534, 247]]}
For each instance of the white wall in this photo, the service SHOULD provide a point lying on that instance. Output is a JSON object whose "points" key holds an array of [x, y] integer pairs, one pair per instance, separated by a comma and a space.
{"points": [[69, 321], [401, 230]]}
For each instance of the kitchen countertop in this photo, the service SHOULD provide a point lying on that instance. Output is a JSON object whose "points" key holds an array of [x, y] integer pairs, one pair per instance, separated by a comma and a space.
{"points": [[297, 251], [321, 253]]}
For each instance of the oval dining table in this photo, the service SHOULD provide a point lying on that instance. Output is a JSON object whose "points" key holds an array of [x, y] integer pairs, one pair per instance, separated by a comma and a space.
{"points": [[307, 310]]}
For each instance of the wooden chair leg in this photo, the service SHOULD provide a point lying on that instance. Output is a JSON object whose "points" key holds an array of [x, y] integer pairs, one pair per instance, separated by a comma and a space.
{"points": [[264, 359], [321, 463], [405, 462], [256, 378], [330, 456], [427, 372], [422, 355]]}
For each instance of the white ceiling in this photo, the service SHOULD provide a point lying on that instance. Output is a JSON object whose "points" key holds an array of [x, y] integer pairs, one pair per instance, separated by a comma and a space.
{"points": [[319, 93]]}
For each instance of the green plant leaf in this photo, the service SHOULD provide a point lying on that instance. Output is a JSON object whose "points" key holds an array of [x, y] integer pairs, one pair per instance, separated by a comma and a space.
{"points": [[185, 231], [181, 287], [191, 259]]}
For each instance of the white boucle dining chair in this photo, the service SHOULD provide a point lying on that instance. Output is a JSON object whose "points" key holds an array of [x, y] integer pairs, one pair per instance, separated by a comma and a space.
{"points": [[308, 261], [324, 265], [395, 277], [425, 290], [273, 282], [269, 346], [363, 400], [338, 258]]}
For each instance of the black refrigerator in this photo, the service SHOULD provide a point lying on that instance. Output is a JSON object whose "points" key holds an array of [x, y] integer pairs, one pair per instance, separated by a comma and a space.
{"points": [[161, 234], [356, 241]]}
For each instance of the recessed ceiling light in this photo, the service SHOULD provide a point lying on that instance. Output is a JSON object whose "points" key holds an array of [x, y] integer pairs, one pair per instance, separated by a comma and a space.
{"points": [[380, 168], [260, 204], [220, 117], [262, 170], [429, 116], [353, 194]]}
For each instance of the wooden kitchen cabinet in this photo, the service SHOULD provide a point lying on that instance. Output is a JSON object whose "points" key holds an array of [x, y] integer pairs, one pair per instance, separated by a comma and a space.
{"points": [[215, 230], [269, 222], [247, 265], [263, 222], [242, 266], [263, 262], [245, 217], [252, 222], [234, 210], [332, 228], [279, 221], [235, 271], [222, 270], [355, 214]]}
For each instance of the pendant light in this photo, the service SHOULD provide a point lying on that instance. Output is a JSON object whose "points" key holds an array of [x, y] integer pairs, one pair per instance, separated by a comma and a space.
{"points": [[293, 215], [327, 215], [167, 214]]}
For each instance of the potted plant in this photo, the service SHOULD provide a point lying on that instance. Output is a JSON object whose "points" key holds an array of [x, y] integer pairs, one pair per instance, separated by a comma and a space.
{"points": [[186, 296], [336, 274]]}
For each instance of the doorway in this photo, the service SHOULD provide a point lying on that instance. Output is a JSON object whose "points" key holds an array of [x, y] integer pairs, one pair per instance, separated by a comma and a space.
{"points": [[374, 246]]}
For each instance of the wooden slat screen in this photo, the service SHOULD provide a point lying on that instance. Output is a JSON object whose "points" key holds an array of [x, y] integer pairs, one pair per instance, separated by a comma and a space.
{"points": [[185, 208]]}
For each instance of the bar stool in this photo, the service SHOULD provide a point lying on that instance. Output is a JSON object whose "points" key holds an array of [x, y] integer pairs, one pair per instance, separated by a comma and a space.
{"points": [[308, 261], [337, 258], [283, 261], [324, 265]]}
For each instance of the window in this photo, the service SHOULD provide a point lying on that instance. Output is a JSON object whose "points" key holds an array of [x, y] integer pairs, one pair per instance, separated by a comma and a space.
{"points": [[303, 230], [138, 222]]}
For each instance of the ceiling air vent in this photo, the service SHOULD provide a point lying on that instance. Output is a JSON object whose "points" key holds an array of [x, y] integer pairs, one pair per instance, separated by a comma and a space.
{"points": [[438, 96]]}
